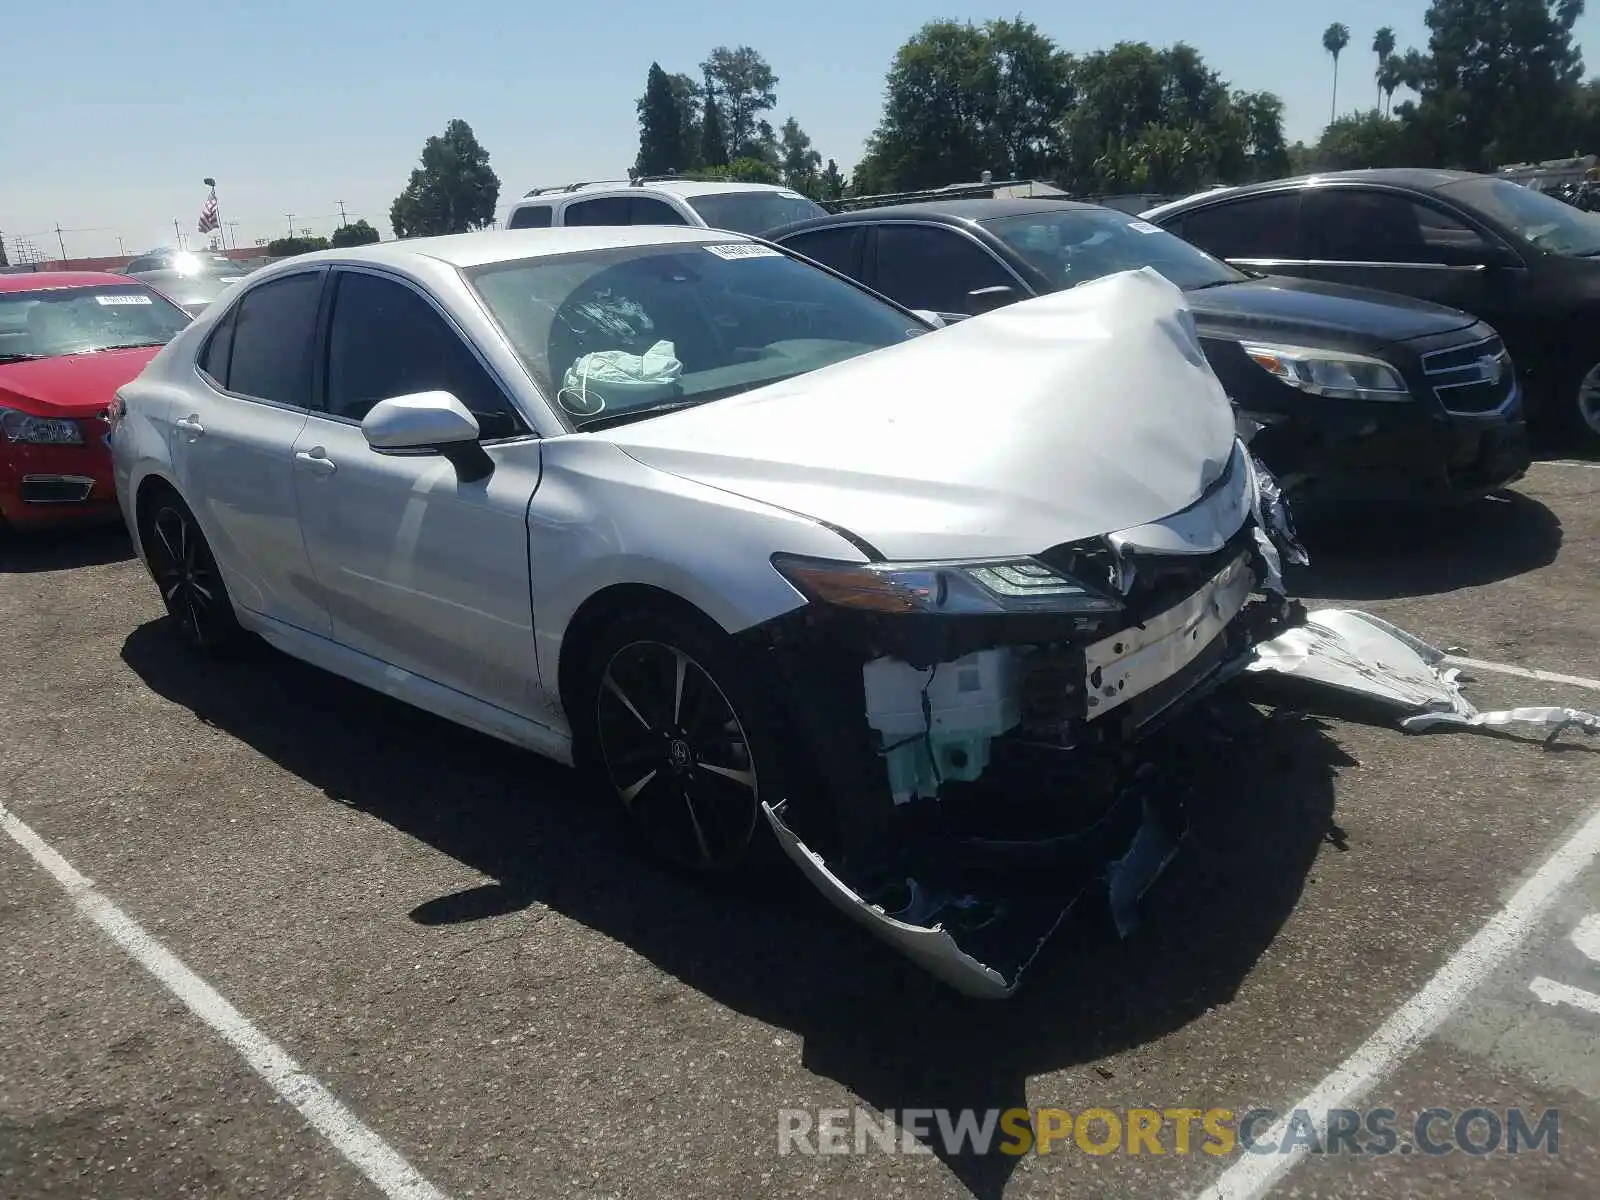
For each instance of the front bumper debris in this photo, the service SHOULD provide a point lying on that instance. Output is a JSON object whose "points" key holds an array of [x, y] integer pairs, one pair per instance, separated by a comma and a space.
{"points": [[1363, 656]]}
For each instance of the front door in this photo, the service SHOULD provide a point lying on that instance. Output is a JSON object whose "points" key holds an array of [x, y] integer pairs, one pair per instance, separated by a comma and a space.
{"points": [[421, 569], [934, 267], [232, 443]]}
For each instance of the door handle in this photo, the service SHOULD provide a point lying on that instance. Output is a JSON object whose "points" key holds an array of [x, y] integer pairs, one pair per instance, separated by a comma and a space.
{"points": [[190, 425], [317, 459]]}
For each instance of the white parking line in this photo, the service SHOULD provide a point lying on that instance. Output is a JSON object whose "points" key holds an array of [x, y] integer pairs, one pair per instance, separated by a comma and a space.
{"points": [[360, 1146], [1551, 992], [1253, 1174], [1478, 664], [1567, 462]]}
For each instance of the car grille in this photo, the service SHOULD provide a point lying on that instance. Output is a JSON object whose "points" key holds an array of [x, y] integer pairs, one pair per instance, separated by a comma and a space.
{"points": [[1476, 378]]}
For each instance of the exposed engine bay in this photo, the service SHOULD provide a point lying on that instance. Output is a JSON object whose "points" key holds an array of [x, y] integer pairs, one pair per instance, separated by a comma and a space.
{"points": [[995, 784]]}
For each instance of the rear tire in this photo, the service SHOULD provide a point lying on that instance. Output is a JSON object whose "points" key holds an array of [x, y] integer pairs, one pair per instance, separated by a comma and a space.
{"points": [[673, 729], [186, 575]]}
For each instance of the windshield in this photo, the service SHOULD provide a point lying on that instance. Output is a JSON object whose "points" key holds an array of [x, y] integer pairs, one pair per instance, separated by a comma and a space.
{"points": [[81, 320], [619, 333], [1073, 245], [197, 265], [754, 212], [1548, 223]]}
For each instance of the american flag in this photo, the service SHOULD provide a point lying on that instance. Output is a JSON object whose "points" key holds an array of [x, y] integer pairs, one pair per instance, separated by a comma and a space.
{"points": [[208, 213]]}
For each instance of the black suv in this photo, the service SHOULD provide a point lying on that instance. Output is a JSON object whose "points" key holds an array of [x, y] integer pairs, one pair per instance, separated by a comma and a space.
{"points": [[1527, 263], [1363, 398]]}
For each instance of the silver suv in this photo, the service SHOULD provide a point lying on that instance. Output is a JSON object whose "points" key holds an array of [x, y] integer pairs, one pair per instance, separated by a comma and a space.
{"points": [[750, 208]]}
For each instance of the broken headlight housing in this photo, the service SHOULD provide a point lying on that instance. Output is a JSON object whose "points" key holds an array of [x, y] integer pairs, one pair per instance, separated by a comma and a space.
{"points": [[40, 431], [1329, 373], [983, 587]]}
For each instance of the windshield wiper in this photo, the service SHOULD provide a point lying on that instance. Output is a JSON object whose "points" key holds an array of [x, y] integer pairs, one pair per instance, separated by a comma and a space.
{"points": [[123, 346], [622, 416], [1200, 287], [10, 357]]}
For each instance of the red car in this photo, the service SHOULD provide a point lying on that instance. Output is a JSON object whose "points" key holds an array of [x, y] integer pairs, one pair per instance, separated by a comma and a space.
{"points": [[68, 341]]}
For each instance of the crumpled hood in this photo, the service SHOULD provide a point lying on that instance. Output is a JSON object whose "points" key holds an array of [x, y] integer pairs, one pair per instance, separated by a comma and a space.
{"points": [[73, 385], [1078, 413]]}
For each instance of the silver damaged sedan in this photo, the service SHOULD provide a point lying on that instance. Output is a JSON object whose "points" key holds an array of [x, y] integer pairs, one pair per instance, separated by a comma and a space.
{"points": [[785, 568]]}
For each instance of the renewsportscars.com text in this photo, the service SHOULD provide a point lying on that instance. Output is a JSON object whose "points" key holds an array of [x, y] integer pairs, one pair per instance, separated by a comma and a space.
{"points": [[1180, 1131]]}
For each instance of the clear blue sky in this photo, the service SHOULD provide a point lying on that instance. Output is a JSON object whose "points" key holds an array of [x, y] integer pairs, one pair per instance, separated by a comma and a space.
{"points": [[114, 111]]}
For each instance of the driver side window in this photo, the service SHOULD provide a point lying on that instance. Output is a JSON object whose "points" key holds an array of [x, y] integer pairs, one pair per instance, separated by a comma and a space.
{"points": [[921, 266], [385, 340]]}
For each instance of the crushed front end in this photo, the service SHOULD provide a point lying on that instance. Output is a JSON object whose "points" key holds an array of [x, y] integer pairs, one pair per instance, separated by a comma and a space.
{"points": [[980, 732]]}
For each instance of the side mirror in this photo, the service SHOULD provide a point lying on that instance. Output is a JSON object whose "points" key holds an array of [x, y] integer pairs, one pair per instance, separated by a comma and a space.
{"points": [[990, 298], [931, 317], [425, 422]]}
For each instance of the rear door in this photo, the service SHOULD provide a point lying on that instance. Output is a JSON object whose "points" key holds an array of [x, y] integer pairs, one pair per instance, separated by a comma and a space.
{"points": [[1405, 243], [836, 246], [233, 437], [934, 267], [599, 210]]}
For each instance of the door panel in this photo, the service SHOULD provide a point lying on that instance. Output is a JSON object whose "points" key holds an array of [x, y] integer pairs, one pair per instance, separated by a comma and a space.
{"points": [[421, 570], [232, 452]]}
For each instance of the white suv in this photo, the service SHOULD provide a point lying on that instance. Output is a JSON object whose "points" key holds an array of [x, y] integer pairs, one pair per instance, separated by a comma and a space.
{"points": [[750, 208]]}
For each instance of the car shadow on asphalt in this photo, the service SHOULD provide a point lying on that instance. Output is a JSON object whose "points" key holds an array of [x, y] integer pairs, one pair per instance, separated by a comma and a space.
{"points": [[1262, 811], [63, 549], [1426, 553]]}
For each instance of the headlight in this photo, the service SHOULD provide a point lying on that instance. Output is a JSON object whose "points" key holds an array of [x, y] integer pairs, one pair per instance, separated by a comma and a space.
{"points": [[1015, 585], [43, 431], [1328, 372]]}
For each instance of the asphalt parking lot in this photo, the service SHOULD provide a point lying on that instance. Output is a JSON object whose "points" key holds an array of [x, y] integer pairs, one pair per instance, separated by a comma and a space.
{"points": [[442, 933]]}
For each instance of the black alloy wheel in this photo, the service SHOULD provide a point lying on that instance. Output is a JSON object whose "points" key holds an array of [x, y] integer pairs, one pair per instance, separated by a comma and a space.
{"points": [[186, 574], [677, 753]]}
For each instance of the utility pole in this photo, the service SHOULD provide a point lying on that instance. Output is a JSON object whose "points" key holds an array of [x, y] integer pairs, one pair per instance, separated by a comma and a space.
{"points": [[121, 252], [343, 220], [291, 223], [234, 225], [61, 241]]}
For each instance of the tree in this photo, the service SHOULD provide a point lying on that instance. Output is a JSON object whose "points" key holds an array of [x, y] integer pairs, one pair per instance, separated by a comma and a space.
{"points": [[1383, 47], [962, 99], [748, 88], [799, 163], [713, 142], [662, 149], [1362, 140], [1334, 39], [831, 184], [1498, 83], [689, 96], [6, 262], [453, 191], [358, 234], [287, 247], [744, 170], [1389, 77]]}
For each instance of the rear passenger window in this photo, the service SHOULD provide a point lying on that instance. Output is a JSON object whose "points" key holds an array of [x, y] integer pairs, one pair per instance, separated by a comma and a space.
{"points": [[836, 248], [273, 327], [1385, 227], [1254, 227], [649, 211], [532, 216], [604, 210]]}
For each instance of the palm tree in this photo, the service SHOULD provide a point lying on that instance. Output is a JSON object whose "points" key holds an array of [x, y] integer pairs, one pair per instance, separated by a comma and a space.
{"points": [[1389, 78], [1334, 39], [1383, 47]]}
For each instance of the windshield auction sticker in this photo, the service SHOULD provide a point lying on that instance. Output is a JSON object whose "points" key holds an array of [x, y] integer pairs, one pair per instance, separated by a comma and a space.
{"points": [[122, 299], [733, 250]]}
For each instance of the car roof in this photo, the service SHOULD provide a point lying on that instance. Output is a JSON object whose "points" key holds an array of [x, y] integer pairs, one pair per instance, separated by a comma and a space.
{"points": [[1424, 179], [38, 281], [508, 245], [670, 187], [947, 212]]}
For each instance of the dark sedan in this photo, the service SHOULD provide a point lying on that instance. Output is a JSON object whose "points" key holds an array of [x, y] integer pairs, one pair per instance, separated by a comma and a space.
{"points": [[1525, 262], [1362, 397]]}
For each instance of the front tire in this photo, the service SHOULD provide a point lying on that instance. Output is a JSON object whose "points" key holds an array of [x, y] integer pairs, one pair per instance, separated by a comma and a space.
{"points": [[672, 726], [1584, 410], [186, 574]]}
